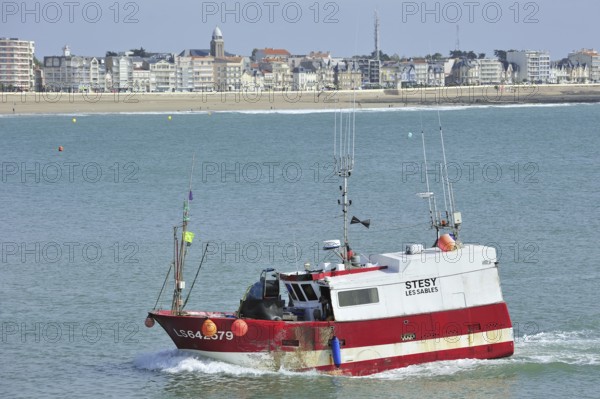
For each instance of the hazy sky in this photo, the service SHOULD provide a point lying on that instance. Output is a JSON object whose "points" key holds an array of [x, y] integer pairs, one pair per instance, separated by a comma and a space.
{"points": [[407, 28]]}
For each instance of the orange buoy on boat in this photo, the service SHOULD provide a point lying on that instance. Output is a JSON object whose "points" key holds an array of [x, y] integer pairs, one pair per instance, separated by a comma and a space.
{"points": [[446, 243], [209, 328], [239, 328]]}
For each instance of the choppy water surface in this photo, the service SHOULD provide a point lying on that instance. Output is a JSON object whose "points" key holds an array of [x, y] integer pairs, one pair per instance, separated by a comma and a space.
{"points": [[86, 240]]}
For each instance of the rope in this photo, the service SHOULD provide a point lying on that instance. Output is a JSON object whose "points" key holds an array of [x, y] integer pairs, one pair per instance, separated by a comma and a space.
{"points": [[197, 272], [163, 286]]}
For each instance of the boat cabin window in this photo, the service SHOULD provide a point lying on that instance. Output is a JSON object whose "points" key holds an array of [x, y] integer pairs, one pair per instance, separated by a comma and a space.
{"points": [[298, 292], [291, 292], [310, 292], [358, 297]]}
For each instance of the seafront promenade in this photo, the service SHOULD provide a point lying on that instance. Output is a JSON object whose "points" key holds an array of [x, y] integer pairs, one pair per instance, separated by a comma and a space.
{"points": [[71, 103]]}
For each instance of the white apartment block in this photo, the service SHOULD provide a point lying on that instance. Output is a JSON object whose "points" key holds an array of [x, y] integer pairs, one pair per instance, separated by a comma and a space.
{"points": [[533, 66], [228, 73], [163, 76], [141, 80], [119, 71], [16, 64], [195, 71], [490, 71]]}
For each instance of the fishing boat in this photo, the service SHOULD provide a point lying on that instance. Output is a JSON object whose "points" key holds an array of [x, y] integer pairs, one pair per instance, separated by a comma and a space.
{"points": [[359, 314]]}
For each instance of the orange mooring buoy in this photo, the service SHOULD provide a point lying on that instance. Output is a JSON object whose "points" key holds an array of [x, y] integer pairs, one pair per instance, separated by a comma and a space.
{"points": [[60, 148]]}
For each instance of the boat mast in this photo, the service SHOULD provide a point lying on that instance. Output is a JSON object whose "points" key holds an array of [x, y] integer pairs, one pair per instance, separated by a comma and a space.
{"points": [[181, 250], [433, 212], [454, 218], [343, 155]]}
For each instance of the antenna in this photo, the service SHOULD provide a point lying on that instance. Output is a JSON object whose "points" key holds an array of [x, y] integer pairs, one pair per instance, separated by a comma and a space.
{"points": [[181, 248], [376, 35], [445, 170], [457, 45], [455, 217], [429, 194], [343, 163]]}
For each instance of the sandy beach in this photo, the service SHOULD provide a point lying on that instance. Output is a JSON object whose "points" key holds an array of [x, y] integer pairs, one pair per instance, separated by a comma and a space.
{"points": [[75, 103]]}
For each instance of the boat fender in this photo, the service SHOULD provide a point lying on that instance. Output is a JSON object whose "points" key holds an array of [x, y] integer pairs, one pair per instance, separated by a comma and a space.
{"points": [[209, 328], [336, 352]]}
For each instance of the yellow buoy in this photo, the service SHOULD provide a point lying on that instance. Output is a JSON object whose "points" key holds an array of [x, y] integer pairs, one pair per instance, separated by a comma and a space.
{"points": [[169, 117], [209, 328], [74, 120], [239, 328]]}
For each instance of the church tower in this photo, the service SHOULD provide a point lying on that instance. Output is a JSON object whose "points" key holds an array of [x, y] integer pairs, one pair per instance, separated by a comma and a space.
{"points": [[217, 45]]}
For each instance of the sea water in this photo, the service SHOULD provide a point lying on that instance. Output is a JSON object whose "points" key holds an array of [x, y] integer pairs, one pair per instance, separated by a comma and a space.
{"points": [[86, 240]]}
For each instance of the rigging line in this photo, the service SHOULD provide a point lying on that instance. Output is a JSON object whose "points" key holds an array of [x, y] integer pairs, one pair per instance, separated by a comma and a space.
{"points": [[353, 122], [442, 167], [446, 167], [192, 171], [195, 277], [350, 135], [163, 286], [341, 137], [334, 134], [443, 188], [425, 165]]}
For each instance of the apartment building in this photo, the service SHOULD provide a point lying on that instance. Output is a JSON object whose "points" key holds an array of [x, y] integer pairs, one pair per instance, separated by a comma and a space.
{"points": [[16, 64], [74, 73], [533, 65]]}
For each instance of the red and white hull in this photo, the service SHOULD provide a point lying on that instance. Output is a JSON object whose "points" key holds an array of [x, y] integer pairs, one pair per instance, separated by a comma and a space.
{"points": [[367, 346]]}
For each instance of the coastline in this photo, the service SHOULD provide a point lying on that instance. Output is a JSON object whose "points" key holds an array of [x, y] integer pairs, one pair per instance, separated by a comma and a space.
{"points": [[76, 103]]}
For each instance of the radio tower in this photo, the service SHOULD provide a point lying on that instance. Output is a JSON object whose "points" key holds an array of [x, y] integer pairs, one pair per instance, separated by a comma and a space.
{"points": [[376, 35]]}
